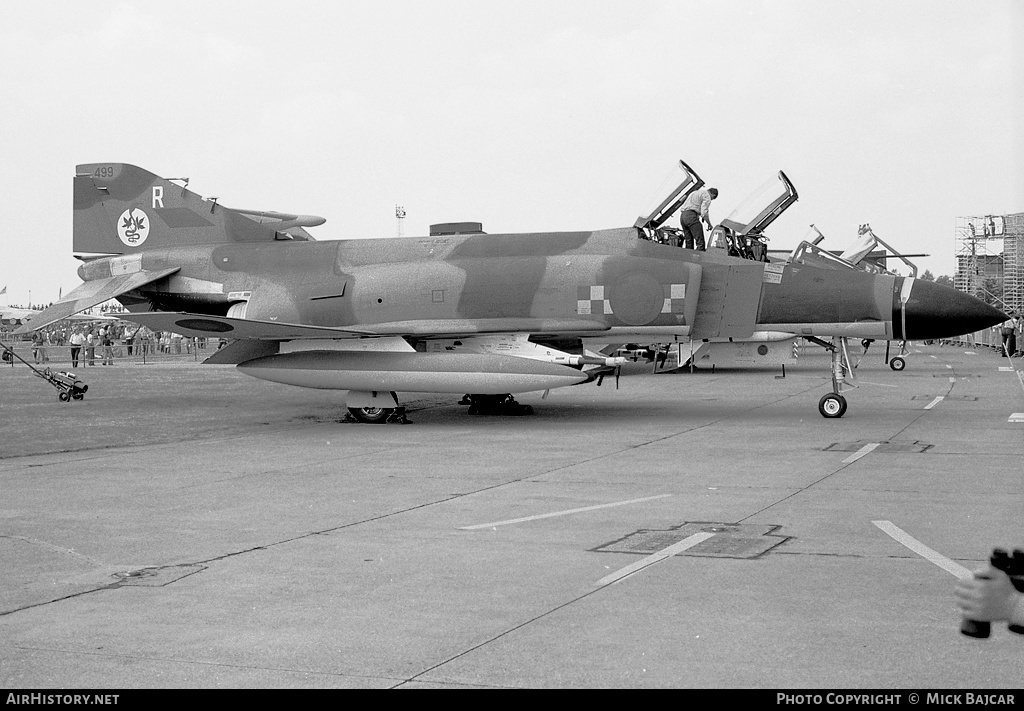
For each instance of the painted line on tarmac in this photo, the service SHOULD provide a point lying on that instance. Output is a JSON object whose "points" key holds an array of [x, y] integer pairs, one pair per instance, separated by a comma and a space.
{"points": [[560, 513], [861, 452], [688, 542], [1015, 416], [924, 551], [1020, 375], [935, 402]]}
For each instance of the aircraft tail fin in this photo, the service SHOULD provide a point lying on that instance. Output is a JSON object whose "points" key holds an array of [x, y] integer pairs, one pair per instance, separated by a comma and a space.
{"points": [[121, 208]]}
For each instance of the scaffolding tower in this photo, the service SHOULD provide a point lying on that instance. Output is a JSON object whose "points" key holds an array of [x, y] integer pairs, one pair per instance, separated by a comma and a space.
{"points": [[990, 259], [1013, 263], [399, 218]]}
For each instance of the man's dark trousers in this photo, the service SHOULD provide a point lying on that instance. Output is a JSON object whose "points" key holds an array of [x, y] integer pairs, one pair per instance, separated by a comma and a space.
{"points": [[692, 229]]}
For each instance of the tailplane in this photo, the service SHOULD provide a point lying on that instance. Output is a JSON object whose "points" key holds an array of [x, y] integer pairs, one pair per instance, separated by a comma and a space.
{"points": [[121, 208]]}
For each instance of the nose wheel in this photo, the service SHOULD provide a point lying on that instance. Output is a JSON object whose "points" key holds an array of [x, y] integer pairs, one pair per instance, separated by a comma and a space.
{"points": [[832, 405]]}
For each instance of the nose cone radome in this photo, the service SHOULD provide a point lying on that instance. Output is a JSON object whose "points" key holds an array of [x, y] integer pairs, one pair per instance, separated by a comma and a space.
{"points": [[937, 311]]}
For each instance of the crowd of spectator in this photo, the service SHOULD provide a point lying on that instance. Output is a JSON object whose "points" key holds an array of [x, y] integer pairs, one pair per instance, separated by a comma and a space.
{"points": [[104, 342]]}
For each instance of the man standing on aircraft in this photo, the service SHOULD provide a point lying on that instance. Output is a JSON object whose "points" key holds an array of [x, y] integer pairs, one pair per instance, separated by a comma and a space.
{"points": [[695, 209]]}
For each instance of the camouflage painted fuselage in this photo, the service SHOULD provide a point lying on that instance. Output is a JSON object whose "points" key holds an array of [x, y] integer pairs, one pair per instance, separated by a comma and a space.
{"points": [[544, 282], [264, 267]]}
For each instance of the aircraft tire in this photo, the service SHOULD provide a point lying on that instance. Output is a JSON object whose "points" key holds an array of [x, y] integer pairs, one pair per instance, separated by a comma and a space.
{"points": [[832, 405], [897, 364], [371, 415], [63, 397]]}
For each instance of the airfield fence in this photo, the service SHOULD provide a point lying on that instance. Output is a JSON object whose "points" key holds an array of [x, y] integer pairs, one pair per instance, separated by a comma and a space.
{"points": [[989, 338], [144, 351]]}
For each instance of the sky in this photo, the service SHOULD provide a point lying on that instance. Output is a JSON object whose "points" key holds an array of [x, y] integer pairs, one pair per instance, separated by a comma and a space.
{"points": [[525, 116]]}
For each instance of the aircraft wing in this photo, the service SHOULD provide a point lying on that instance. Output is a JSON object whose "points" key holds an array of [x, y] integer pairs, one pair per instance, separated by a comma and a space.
{"points": [[222, 326], [206, 326], [91, 293], [454, 328]]}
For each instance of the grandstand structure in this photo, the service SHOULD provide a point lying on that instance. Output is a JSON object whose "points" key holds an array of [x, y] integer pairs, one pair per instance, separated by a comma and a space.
{"points": [[990, 259]]}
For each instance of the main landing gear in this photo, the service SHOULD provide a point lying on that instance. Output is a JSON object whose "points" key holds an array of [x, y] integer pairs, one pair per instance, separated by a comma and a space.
{"points": [[375, 408], [494, 405], [379, 415], [833, 404]]}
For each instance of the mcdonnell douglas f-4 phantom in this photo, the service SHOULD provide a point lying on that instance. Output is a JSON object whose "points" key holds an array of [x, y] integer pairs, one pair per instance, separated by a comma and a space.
{"points": [[481, 314]]}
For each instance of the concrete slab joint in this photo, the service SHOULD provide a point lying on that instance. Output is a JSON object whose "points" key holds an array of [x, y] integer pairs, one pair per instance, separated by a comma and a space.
{"points": [[886, 447], [156, 577], [729, 540]]}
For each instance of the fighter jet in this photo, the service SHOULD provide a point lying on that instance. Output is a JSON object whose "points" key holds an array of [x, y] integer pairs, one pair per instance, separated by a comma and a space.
{"points": [[487, 315]]}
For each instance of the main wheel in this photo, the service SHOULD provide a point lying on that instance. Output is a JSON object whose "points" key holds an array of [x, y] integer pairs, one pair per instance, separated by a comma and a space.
{"points": [[371, 415], [897, 364], [64, 397], [832, 405]]}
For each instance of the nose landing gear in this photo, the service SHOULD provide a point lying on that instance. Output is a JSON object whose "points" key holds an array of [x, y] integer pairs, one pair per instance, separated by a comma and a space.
{"points": [[833, 404]]}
